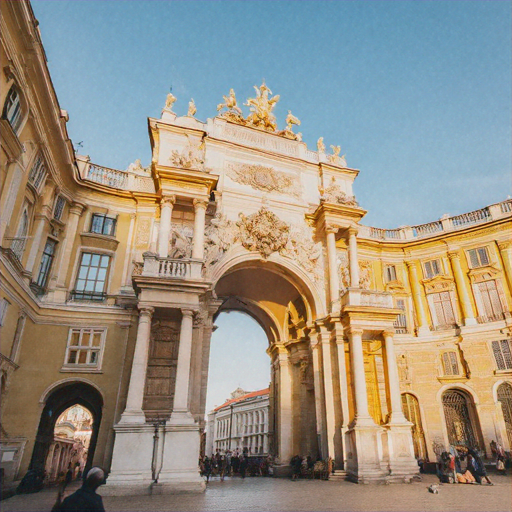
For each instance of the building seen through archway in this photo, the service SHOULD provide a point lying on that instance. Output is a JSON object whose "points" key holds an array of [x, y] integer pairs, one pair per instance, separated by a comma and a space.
{"points": [[384, 344]]}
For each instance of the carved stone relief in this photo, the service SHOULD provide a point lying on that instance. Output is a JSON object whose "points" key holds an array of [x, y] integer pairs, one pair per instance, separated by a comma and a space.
{"points": [[334, 194], [264, 178], [181, 242], [343, 270], [365, 274], [190, 157]]}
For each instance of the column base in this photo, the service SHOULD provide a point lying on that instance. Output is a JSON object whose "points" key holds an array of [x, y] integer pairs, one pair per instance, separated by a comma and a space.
{"points": [[181, 418], [470, 321], [131, 473], [132, 418], [403, 466], [365, 454]]}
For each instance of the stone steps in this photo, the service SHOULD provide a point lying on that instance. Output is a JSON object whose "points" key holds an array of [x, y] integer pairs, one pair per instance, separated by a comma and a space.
{"points": [[338, 475]]}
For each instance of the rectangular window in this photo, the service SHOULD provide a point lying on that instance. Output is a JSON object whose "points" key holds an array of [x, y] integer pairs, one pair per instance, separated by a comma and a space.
{"points": [[12, 109], [59, 208], [3, 310], [37, 173], [92, 277], [390, 273], [443, 309], [46, 264], [502, 354], [103, 225], [493, 310], [85, 347], [432, 268], [478, 257], [401, 320], [450, 364]]}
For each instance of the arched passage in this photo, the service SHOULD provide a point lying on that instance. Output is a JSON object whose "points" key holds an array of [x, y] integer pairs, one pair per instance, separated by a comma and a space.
{"points": [[285, 306], [504, 394], [59, 400]]}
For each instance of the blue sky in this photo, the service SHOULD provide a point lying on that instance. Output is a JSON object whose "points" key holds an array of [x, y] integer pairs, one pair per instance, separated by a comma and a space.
{"points": [[417, 93]]}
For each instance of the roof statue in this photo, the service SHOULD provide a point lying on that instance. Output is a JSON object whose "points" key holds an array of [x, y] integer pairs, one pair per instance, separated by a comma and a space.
{"points": [[261, 109], [192, 109], [169, 102], [320, 145], [335, 158], [230, 104]]}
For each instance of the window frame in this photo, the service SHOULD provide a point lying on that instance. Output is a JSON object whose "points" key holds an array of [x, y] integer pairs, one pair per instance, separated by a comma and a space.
{"points": [[38, 172], [41, 286], [453, 362], [477, 253], [4, 306], [58, 209], [431, 274], [104, 217], [506, 359], [88, 349], [401, 323], [15, 119], [387, 273], [436, 321], [91, 295]]}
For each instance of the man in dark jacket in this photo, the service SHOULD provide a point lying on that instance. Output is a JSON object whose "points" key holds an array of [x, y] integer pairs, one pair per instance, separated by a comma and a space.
{"points": [[85, 499]]}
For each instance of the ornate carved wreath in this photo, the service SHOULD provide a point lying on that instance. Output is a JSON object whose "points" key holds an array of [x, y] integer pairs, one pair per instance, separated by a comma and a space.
{"points": [[263, 232]]}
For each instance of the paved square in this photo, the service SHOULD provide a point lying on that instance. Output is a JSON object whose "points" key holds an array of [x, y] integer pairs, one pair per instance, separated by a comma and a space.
{"points": [[269, 494]]}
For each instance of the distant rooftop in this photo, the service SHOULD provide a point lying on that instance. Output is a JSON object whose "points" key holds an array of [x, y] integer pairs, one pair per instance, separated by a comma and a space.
{"points": [[252, 394]]}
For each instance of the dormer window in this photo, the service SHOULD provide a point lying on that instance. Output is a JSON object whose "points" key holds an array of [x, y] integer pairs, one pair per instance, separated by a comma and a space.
{"points": [[12, 109]]}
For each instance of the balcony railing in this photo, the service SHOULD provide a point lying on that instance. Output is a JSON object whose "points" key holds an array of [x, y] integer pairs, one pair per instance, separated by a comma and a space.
{"points": [[445, 224], [170, 268], [371, 298], [106, 176], [484, 319]]}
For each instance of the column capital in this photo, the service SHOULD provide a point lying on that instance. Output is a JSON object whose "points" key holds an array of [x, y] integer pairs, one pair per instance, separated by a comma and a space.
{"points": [[354, 331], [189, 313], [331, 228], [410, 264], [454, 255], [353, 231], [167, 200], [388, 333], [200, 203], [77, 208], [146, 311]]}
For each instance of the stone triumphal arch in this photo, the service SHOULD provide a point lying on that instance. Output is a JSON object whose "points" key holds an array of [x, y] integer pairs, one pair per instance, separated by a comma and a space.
{"points": [[269, 217]]}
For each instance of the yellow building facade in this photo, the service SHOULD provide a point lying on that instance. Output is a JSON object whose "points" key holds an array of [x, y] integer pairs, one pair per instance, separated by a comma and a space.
{"points": [[386, 345]]}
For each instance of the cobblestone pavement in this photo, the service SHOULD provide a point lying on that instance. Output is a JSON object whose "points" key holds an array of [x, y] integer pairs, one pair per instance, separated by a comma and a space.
{"points": [[269, 494]]}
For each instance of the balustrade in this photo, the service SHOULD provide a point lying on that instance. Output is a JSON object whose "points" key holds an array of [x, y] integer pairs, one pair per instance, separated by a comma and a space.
{"points": [[169, 268], [371, 298], [106, 176]]}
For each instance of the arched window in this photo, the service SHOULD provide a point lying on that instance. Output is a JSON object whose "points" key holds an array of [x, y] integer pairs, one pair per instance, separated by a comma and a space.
{"points": [[12, 109], [411, 410], [505, 398], [460, 414], [18, 243]]}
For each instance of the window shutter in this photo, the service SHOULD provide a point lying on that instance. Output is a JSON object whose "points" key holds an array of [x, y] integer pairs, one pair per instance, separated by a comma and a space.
{"points": [[454, 363], [500, 362], [473, 258], [483, 256], [507, 355]]}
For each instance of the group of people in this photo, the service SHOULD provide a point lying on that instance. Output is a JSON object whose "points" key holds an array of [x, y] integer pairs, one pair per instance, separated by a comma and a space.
{"points": [[234, 462], [462, 465], [306, 467]]}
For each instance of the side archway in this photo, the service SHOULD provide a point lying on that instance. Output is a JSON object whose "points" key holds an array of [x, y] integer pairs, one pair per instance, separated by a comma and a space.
{"points": [[56, 401]]}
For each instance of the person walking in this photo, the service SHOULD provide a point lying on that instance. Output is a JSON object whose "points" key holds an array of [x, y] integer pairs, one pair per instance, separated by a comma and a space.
{"points": [[477, 468], [85, 499]]}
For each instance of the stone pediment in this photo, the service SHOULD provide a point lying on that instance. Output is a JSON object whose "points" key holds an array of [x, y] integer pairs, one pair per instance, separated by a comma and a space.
{"points": [[440, 283], [478, 275]]}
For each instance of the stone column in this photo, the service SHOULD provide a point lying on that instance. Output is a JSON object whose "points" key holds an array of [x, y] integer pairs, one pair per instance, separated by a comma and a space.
{"points": [[362, 416], [164, 230], [397, 415], [61, 265], [319, 400], [181, 411], [41, 219], [133, 411], [416, 295], [285, 407], [353, 263], [334, 286], [462, 290], [506, 255], [200, 206], [323, 338]]}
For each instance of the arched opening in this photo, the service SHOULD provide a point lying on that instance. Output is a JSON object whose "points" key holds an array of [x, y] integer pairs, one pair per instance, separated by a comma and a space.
{"points": [[67, 397], [411, 408], [70, 446], [461, 419], [12, 110], [283, 305], [505, 398]]}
